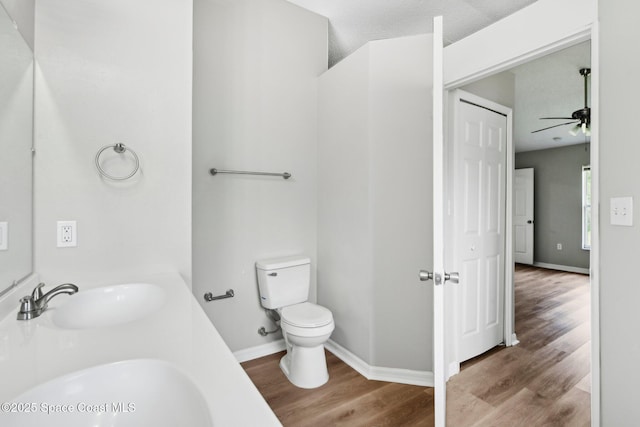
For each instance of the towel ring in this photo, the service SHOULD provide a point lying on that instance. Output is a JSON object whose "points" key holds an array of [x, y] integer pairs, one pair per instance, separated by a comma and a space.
{"points": [[120, 149]]}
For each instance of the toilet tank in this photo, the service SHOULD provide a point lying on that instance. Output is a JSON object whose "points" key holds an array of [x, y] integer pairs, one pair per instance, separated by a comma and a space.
{"points": [[283, 281]]}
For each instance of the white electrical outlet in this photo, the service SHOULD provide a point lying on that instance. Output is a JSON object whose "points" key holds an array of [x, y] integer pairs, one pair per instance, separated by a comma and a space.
{"points": [[67, 234], [4, 236], [559, 246]]}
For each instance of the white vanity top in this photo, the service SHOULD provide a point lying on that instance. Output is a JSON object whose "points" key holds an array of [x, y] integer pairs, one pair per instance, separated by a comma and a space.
{"points": [[35, 351]]}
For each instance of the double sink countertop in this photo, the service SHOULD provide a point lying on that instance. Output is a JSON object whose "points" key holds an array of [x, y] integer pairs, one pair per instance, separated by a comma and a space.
{"points": [[35, 351]]}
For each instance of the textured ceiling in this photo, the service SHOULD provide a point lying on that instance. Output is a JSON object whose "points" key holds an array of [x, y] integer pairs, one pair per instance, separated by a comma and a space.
{"points": [[352, 23], [549, 87]]}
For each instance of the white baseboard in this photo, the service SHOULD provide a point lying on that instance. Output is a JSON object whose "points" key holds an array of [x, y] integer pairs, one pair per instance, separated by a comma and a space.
{"points": [[349, 358], [566, 268], [260, 351], [454, 369], [395, 375], [514, 340]]}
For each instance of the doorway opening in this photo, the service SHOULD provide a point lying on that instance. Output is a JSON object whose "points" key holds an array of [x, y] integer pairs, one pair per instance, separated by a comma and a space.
{"points": [[561, 257]]}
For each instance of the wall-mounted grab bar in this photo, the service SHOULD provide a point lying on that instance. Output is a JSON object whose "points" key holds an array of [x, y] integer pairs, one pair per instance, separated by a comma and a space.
{"points": [[214, 171], [209, 296]]}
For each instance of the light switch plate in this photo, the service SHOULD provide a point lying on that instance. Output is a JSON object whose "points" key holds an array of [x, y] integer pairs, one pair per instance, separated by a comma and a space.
{"points": [[4, 236], [621, 212]]}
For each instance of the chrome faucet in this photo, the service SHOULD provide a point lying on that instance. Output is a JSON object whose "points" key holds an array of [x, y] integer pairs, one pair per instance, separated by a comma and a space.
{"points": [[32, 306]]}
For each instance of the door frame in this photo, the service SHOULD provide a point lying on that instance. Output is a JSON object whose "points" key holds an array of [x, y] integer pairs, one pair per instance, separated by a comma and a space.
{"points": [[545, 44], [509, 336]]}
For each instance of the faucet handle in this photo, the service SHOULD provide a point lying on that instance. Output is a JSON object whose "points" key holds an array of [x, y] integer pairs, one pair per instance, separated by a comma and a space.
{"points": [[37, 292], [26, 303], [27, 308]]}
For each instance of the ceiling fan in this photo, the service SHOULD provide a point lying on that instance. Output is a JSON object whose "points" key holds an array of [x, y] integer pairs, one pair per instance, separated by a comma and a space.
{"points": [[580, 118]]}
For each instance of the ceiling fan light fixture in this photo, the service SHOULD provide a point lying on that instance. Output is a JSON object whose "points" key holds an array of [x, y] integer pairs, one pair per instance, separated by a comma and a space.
{"points": [[574, 131], [580, 117]]}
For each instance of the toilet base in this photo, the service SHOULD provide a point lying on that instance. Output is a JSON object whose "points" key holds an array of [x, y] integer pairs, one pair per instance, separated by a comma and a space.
{"points": [[305, 367]]}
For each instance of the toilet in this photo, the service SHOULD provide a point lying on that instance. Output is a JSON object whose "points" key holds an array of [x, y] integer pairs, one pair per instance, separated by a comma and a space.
{"points": [[284, 287]]}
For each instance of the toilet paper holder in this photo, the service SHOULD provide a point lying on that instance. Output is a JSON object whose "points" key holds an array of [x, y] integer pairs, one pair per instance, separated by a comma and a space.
{"points": [[209, 296]]}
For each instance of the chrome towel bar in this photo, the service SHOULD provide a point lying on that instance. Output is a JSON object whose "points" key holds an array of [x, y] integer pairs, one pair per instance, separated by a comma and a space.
{"points": [[214, 171], [209, 296]]}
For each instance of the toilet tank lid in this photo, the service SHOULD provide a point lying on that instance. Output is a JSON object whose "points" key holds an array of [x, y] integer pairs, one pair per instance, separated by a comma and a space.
{"points": [[283, 262]]}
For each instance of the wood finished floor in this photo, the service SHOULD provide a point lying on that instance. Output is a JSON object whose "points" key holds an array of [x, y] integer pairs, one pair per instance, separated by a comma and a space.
{"points": [[543, 381]]}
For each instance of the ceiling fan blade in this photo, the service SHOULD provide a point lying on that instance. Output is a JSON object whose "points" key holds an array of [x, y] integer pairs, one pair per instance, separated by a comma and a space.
{"points": [[557, 118], [555, 126]]}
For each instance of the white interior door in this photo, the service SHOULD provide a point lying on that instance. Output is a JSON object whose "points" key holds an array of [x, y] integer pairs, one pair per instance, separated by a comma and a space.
{"points": [[523, 222], [480, 147], [438, 275], [439, 373]]}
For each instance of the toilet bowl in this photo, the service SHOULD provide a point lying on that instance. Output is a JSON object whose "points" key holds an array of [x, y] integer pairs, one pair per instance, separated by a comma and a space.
{"points": [[305, 328], [284, 287]]}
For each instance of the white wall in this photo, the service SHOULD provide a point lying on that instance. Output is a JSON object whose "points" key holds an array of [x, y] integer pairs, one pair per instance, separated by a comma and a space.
{"points": [[499, 88], [620, 176], [23, 14], [345, 244], [256, 64], [107, 72], [401, 201], [374, 213]]}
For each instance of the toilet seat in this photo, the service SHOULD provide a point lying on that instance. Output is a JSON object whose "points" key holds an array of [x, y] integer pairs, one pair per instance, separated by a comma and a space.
{"points": [[306, 315]]}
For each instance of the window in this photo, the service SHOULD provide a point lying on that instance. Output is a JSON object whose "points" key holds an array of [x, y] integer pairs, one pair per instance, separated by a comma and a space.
{"points": [[586, 207]]}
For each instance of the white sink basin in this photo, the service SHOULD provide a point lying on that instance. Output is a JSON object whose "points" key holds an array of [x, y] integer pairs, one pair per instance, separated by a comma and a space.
{"points": [[108, 306], [132, 393]]}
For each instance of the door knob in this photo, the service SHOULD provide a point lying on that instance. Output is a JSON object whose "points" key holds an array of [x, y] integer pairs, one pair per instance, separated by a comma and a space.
{"points": [[425, 275], [529, 222], [452, 277]]}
